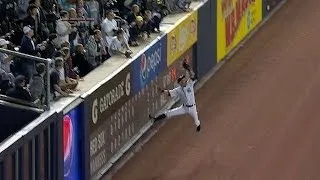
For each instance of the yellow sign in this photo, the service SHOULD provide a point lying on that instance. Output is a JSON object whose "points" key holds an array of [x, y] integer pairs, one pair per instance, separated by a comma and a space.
{"points": [[182, 37], [235, 20]]}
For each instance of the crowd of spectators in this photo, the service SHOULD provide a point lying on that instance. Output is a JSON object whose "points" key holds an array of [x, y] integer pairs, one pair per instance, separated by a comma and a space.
{"points": [[77, 35]]}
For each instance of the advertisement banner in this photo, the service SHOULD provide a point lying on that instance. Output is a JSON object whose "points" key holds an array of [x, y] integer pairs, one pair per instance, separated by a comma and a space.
{"points": [[182, 37], [100, 106], [235, 20], [148, 66], [71, 147]]}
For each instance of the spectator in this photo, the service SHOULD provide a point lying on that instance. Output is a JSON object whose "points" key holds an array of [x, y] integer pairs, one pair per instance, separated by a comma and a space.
{"points": [[135, 11], [51, 47], [64, 28], [95, 48], [82, 27], [47, 5], [74, 36], [28, 46], [66, 83], [69, 68], [93, 9], [80, 62], [55, 86], [21, 10], [37, 84], [5, 62], [5, 83], [65, 44], [153, 21], [52, 17], [109, 26], [19, 91], [119, 45], [80, 7], [42, 19], [33, 21], [125, 27], [140, 29], [183, 5]]}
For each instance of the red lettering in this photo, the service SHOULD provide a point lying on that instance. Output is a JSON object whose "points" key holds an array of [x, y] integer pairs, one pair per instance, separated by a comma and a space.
{"points": [[232, 20], [228, 31], [173, 74], [234, 24]]}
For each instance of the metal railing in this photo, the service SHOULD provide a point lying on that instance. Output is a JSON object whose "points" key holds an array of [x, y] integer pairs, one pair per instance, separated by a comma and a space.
{"points": [[47, 62], [35, 152]]}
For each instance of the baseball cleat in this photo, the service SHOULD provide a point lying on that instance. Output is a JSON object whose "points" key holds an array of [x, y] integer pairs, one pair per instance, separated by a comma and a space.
{"points": [[198, 128], [151, 117]]}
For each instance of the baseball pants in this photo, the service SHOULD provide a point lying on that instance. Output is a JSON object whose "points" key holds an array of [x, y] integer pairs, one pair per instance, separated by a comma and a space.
{"points": [[192, 111]]}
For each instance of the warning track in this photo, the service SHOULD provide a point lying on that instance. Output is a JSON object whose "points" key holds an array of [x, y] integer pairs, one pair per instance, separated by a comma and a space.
{"points": [[260, 112]]}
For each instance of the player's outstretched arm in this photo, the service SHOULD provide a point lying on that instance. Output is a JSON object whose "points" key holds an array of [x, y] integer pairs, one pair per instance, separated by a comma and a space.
{"points": [[165, 91], [189, 74]]}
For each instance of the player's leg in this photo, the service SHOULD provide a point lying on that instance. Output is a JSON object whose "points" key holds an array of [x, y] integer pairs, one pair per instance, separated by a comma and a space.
{"points": [[194, 114], [170, 113], [176, 111]]}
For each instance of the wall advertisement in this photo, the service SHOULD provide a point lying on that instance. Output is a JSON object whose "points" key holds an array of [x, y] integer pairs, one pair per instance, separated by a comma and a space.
{"points": [[101, 107], [149, 65], [235, 20], [182, 37], [71, 145]]}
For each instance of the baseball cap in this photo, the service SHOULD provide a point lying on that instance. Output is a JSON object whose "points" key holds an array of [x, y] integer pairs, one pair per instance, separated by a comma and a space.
{"points": [[19, 79], [3, 42], [63, 13], [139, 18], [26, 29]]}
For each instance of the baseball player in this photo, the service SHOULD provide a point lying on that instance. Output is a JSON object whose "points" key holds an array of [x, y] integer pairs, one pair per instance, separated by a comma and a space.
{"points": [[185, 92]]}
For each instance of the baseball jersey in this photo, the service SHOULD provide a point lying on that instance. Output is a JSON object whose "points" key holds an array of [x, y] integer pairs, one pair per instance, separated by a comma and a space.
{"points": [[186, 94]]}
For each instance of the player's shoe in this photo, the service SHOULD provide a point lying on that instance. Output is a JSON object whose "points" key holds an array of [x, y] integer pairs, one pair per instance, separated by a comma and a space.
{"points": [[198, 128], [151, 117]]}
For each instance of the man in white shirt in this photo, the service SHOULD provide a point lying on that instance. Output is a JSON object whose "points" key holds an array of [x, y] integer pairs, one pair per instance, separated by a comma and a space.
{"points": [[109, 26], [185, 92], [64, 28], [119, 45]]}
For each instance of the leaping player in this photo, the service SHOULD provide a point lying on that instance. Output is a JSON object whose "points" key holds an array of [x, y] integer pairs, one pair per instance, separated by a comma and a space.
{"points": [[185, 91]]}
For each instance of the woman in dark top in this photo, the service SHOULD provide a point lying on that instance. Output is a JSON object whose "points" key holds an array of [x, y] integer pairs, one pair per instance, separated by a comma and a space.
{"points": [[79, 61]]}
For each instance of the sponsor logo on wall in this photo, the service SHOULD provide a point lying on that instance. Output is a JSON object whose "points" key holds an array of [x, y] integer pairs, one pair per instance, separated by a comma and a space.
{"points": [[182, 37], [235, 20], [71, 145], [116, 92], [147, 66], [102, 105]]}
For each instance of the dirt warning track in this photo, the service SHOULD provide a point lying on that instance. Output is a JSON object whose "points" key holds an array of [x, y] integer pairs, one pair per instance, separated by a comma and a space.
{"points": [[260, 112]]}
